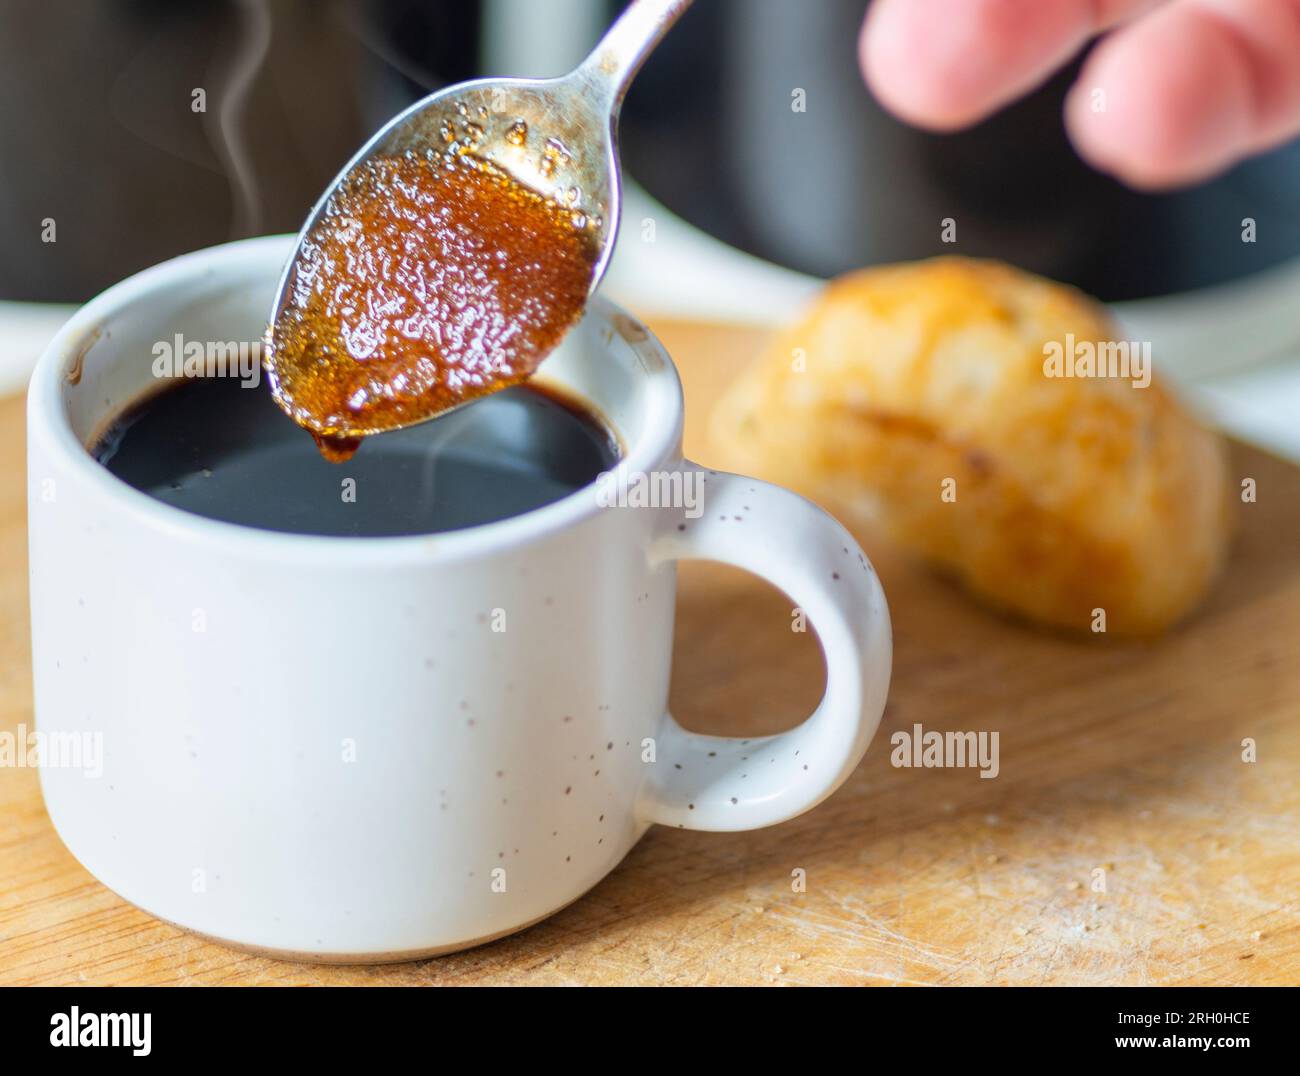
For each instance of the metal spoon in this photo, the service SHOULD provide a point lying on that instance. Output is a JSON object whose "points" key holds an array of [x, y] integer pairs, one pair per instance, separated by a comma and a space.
{"points": [[558, 136]]}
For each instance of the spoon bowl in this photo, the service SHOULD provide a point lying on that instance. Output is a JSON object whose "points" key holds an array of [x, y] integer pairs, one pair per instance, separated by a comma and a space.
{"points": [[558, 137]]}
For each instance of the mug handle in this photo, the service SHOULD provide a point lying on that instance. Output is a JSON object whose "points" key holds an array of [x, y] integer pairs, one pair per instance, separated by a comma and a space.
{"points": [[727, 784]]}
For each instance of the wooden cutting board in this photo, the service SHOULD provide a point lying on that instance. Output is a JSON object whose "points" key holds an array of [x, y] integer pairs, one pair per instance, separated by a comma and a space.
{"points": [[1123, 759]]}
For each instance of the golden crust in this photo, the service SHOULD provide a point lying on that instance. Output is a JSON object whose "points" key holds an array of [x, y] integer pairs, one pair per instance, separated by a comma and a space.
{"points": [[1070, 494]]}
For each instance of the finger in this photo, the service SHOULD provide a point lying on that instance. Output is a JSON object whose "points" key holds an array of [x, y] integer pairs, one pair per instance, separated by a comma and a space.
{"points": [[1188, 90], [943, 64]]}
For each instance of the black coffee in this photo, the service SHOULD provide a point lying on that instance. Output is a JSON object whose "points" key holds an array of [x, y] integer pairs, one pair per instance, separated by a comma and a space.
{"points": [[212, 447]]}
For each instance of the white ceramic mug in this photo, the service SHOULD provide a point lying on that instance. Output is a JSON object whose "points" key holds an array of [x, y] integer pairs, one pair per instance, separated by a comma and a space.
{"points": [[325, 747]]}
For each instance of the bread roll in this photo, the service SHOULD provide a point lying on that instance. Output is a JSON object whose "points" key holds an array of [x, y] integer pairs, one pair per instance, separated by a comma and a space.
{"points": [[919, 395]]}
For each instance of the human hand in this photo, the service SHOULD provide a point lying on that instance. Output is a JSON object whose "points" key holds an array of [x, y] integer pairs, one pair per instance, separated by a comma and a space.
{"points": [[1177, 91]]}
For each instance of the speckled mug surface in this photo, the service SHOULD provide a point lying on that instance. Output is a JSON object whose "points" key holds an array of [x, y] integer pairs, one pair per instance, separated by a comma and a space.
{"points": [[354, 749]]}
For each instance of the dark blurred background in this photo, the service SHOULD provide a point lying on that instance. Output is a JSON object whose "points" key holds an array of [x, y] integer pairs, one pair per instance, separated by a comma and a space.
{"points": [[100, 134]]}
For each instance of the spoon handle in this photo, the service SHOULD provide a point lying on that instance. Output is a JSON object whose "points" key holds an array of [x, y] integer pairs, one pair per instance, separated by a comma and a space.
{"points": [[614, 62]]}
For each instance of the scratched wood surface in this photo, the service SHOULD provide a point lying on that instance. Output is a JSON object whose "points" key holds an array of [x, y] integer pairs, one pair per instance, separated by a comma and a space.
{"points": [[1125, 759]]}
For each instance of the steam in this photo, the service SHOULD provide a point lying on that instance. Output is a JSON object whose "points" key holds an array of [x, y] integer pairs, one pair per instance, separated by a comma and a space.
{"points": [[356, 25], [228, 138]]}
